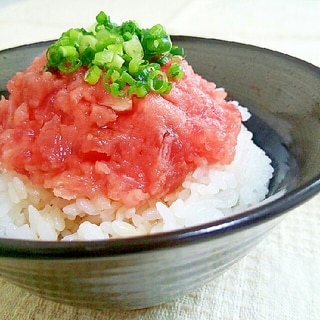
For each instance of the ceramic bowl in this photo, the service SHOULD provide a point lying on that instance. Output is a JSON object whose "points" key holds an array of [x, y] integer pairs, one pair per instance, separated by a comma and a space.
{"points": [[283, 94]]}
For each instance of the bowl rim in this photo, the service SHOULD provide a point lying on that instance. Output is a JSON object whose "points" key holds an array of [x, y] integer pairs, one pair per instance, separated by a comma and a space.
{"points": [[35, 249]]}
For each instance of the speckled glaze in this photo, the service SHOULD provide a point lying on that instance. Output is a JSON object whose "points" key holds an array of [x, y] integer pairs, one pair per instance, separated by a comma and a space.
{"points": [[283, 94]]}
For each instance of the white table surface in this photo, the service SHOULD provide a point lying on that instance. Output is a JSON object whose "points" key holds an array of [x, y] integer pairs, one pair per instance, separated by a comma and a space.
{"points": [[280, 278]]}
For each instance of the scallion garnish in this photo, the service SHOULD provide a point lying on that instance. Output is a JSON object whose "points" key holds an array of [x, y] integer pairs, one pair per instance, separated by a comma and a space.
{"points": [[175, 71], [127, 57], [93, 74]]}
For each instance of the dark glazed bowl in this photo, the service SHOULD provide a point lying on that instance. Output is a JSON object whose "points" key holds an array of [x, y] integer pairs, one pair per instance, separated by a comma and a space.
{"points": [[283, 94]]}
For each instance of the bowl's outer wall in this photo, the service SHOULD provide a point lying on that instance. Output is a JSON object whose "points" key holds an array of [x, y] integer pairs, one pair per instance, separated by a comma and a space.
{"points": [[133, 281], [282, 91]]}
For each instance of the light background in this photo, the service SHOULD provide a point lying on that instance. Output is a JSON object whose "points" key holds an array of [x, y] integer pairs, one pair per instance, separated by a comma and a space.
{"points": [[279, 279]]}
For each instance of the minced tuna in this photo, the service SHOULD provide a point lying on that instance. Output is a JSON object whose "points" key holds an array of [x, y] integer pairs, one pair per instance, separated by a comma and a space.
{"points": [[81, 142]]}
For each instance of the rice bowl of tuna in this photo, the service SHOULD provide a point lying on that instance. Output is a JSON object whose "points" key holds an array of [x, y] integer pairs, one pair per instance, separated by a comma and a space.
{"points": [[82, 162], [68, 181]]}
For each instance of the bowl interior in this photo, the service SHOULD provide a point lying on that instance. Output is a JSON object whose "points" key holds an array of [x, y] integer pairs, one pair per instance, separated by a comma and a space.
{"points": [[281, 92]]}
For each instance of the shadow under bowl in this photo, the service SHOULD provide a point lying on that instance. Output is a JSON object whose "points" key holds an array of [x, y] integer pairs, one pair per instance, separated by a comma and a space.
{"points": [[283, 95]]}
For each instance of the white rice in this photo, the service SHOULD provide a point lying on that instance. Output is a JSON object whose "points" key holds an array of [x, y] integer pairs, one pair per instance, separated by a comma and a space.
{"points": [[209, 193]]}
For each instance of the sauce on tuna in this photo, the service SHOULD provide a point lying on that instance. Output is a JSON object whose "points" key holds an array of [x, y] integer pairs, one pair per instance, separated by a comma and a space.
{"points": [[80, 141]]}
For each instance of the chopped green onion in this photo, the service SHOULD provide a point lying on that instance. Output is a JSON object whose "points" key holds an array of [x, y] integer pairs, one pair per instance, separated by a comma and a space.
{"points": [[142, 75], [158, 81], [117, 61], [103, 57], [127, 57], [66, 40], [139, 89], [115, 75], [74, 34], [87, 41], [177, 51], [162, 60], [87, 56], [53, 56], [130, 27], [134, 65], [69, 65], [133, 48], [102, 18], [93, 74], [68, 51], [155, 45], [175, 71], [114, 89], [116, 48], [127, 36], [127, 78]]}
